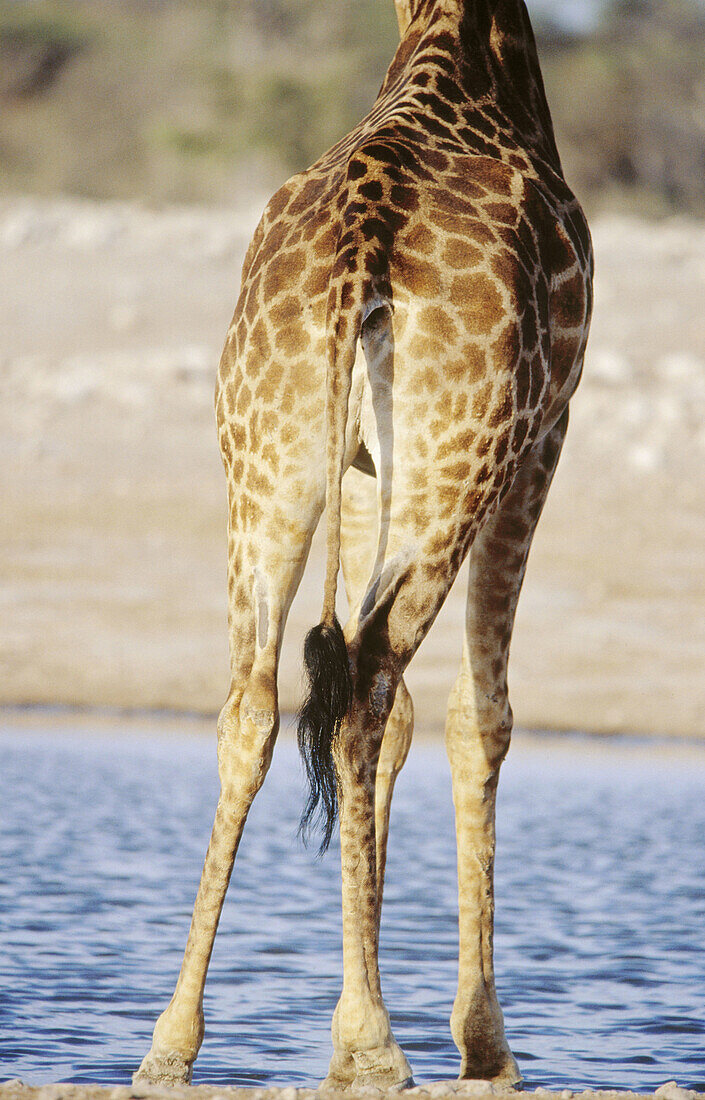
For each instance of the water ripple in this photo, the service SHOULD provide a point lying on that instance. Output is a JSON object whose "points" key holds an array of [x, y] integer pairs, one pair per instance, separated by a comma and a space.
{"points": [[600, 912]]}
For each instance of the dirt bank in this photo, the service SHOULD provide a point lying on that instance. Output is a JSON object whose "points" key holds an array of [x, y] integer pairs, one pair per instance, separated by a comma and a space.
{"points": [[112, 552]]}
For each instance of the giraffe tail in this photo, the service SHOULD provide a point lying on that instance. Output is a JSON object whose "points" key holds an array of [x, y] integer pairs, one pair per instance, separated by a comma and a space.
{"points": [[327, 702], [358, 285]]}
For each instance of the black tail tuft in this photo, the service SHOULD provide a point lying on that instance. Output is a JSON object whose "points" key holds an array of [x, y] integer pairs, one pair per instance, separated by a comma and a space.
{"points": [[328, 701]]}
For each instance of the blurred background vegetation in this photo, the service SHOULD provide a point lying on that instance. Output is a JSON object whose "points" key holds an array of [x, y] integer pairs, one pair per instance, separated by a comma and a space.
{"points": [[194, 100]]}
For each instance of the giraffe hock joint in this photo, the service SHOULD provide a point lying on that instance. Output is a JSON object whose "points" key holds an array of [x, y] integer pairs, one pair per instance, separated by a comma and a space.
{"points": [[327, 702]]}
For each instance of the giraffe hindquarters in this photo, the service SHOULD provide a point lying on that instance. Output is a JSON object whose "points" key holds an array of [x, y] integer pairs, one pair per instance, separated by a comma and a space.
{"points": [[478, 730]]}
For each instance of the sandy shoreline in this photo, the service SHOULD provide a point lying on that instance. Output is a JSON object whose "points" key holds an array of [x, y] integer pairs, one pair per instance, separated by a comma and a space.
{"points": [[16, 1090], [112, 549]]}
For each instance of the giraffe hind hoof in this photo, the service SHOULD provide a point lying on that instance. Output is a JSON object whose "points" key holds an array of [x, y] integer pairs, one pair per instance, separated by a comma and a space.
{"points": [[369, 1081], [164, 1069], [334, 1084], [506, 1077], [341, 1073], [384, 1068], [409, 1083], [509, 1077]]}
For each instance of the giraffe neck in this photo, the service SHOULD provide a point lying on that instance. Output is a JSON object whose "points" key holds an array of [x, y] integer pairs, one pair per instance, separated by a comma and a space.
{"points": [[487, 49]]}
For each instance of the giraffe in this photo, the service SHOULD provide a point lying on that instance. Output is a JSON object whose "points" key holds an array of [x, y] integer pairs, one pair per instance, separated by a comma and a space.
{"points": [[415, 308]]}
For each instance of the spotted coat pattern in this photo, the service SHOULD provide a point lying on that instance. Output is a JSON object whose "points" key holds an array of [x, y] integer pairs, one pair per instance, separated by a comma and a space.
{"points": [[415, 307]]}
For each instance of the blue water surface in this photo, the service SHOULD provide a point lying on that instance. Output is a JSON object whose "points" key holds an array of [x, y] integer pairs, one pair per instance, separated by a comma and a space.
{"points": [[600, 946]]}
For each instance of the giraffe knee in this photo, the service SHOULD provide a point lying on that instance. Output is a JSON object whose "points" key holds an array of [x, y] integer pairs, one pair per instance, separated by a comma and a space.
{"points": [[479, 725], [259, 710], [247, 728]]}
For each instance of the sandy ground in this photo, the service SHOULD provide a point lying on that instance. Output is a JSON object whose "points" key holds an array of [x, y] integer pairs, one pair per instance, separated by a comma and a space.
{"points": [[112, 499], [15, 1090]]}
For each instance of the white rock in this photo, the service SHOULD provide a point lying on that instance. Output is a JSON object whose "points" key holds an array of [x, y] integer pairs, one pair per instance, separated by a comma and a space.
{"points": [[671, 1090], [289, 1093]]}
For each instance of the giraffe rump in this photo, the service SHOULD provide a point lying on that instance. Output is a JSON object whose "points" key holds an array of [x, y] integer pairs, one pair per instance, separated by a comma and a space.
{"points": [[327, 702]]}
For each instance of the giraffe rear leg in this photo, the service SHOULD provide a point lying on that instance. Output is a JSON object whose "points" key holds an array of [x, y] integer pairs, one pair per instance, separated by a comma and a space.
{"points": [[409, 586], [362, 1022], [263, 577], [359, 543], [247, 730], [478, 730], [343, 1070], [362, 1032]]}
